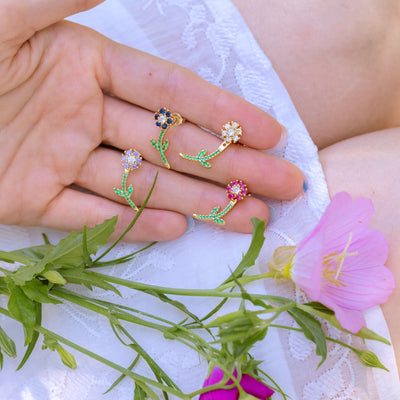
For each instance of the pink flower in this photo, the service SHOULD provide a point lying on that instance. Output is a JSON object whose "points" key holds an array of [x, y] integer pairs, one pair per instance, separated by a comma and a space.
{"points": [[249, 384], [341, 262]]}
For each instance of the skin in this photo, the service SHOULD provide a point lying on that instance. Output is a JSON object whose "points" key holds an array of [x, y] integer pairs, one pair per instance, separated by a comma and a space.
{"points": [[73, 100], [339, 62], [70, 97]]}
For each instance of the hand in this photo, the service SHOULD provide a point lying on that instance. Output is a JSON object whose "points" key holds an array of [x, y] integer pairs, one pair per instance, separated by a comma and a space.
{"points": [[72, 99]]}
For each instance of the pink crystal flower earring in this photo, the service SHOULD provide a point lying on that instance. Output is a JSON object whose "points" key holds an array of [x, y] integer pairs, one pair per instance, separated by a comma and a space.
{"points": [[235, 191]]}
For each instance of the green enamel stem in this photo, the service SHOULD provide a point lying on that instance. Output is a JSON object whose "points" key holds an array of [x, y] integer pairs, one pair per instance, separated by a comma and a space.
{"points": [[217, 217], [202, 159], [125, 193], [159, 146]]}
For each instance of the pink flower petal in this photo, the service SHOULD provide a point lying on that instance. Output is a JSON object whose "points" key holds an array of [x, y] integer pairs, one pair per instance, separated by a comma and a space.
{"points": [[220, 394], [307, 269], [352, 320], [345, 215], [256, 388], [341, 262]]}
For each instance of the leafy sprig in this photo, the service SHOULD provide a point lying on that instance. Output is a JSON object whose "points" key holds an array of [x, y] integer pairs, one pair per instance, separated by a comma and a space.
{"points": [[43, 271]]}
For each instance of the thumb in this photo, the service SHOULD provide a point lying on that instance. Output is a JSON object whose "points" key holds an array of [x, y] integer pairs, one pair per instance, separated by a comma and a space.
{"points": [[23, 18]]}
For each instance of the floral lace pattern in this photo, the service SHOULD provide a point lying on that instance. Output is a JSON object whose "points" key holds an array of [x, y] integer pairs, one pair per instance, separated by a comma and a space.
{"points": [[211, 38]]}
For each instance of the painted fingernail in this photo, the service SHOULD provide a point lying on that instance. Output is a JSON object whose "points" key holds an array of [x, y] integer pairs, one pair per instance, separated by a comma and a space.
{"points": [[305, 184], [190, 222], [284, 138]]}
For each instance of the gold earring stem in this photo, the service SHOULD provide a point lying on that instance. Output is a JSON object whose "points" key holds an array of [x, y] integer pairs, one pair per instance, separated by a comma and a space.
{"points": [[235, 191]]}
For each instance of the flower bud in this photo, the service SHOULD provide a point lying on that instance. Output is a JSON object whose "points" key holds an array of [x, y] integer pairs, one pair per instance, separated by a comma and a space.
{"points": [[67, 358], [281, 262], [370, 359], [54, 277]]}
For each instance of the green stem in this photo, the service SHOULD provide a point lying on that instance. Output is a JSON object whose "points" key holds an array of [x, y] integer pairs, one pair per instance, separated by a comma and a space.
{"points": [[124, 193], [201, 157], [188, 292], [247, 279], [217, 217], [188, 337], [161, 146], [117, 367]]}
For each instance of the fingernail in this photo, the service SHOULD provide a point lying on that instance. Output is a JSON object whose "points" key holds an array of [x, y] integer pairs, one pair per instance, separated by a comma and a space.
{"points": [[284, 138], [191, 224]]}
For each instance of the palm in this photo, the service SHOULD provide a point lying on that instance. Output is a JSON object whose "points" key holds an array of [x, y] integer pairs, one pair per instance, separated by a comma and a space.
{"points": [[70, 98], [61, 125]]}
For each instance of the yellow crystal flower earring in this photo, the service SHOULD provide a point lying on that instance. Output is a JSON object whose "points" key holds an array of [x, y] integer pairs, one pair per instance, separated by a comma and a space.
{"points": [[236, 191], [131, 159], [231, 132], [164, 119]]}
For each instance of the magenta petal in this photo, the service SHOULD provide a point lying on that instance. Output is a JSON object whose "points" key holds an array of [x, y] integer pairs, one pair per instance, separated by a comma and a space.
{"points": [[256, 388], [220, 394]]}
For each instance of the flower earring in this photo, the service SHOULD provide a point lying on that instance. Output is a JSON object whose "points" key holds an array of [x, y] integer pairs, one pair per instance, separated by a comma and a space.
{"points": [[164, 119], [130, 160], [236, 191], [231, 132]]}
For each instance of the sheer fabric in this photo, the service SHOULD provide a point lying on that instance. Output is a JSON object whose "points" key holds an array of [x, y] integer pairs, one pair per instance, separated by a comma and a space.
{"points": [[211, 38]]}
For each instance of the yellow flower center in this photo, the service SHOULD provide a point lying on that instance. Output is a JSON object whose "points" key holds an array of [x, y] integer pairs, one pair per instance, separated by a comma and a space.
{"points": [[328, 262]]}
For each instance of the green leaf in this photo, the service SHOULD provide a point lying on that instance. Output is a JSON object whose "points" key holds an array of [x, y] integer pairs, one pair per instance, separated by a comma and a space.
{"points": [[122, 376], [316, 306], [35, 336], [149, 392], [159, 373], [69, 251], [139, 393], [252, 253], [321, 311], [88, 279], [22, 309], [12, 257], [35, 253], [312, 330], [7, 345], [174, 303], [38, 291]]}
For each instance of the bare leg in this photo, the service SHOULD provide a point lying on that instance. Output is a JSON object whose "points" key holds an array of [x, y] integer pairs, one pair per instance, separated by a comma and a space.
{"points": [[369, 166]]}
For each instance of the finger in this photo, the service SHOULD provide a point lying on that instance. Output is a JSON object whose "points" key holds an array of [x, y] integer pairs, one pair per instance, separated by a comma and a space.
{"points": [[151, 82], [126, 126], [173, 191], [72, 208], [26, 16]]}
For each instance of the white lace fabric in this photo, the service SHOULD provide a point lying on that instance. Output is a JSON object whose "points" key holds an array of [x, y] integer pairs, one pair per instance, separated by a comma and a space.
{"points": [[211, 38]]}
